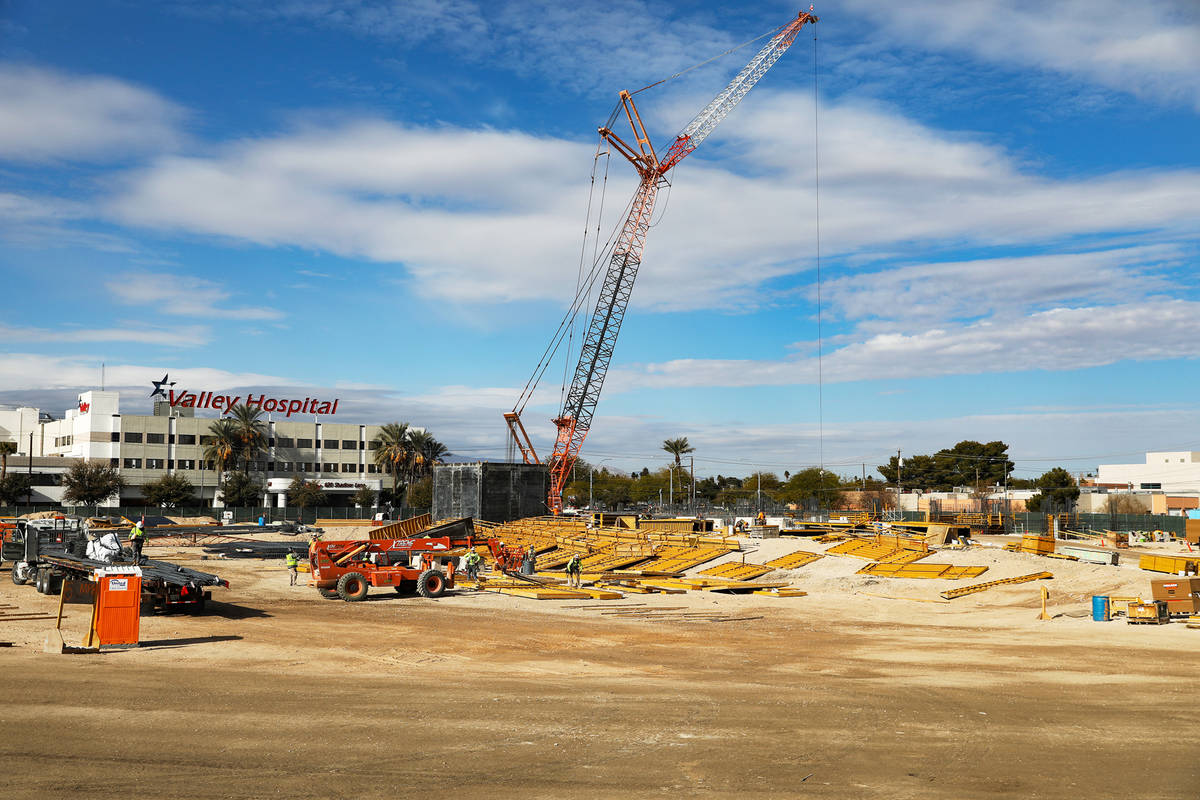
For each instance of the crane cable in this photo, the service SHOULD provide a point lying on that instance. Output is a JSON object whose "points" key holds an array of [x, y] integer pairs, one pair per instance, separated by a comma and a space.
{"points": [[817, 209], [771, 32], [601, 150], [557, 339]]}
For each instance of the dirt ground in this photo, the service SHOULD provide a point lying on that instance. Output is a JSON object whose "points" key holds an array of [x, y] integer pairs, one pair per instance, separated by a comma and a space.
{"points": [[840, 694]]}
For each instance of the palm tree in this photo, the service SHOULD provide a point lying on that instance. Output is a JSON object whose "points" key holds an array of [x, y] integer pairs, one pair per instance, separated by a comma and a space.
{"points": [[433, 452], [426, 451], [678, 448], [392, 453], [223, 444], [6, 450], [251, 431]]}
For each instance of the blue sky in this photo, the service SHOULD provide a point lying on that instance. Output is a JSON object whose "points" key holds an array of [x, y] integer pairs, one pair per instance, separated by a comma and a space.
{"points": [[385, 201]]}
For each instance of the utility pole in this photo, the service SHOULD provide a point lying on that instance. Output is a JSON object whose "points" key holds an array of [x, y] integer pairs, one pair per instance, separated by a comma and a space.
{"points": [[899, 464], [864, 478], [29, 473], [758, 491], [693, 470]]}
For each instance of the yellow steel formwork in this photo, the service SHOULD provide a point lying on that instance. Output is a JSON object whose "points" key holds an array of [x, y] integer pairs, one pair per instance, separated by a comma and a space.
{"points": [[678, 559], [944, 571], [950, 594], [794, 560], [736, 570]]}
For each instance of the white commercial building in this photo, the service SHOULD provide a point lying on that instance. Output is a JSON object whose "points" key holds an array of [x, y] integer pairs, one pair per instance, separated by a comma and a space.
{"points": [[1166, 472], [144, 447]]}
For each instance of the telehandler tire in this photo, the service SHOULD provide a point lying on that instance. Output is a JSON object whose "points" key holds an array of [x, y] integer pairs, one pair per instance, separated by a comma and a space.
{"points": [[352, 587], [329, 594], [431, 583]]}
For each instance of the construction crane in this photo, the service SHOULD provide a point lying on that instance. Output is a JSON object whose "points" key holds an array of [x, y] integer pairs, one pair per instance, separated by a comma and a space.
{"points": [[575, 418]]}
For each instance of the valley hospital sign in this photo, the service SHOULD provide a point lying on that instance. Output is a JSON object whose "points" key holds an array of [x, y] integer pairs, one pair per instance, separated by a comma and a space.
{"points": [[226, 402]]}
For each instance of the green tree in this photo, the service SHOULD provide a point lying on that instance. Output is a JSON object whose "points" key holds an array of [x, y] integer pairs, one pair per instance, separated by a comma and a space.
{"points": [[251, 432], [13, 489], [420, 493], [1057, 492], [649, 486], [305, 494], [222, 444], [968, 463], [170, 491], [239, 490], [812, 486], [365, 497], [392, 452], [86, 483], [6, 449]]}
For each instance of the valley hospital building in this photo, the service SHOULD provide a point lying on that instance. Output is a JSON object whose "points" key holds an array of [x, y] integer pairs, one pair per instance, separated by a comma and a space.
{"points": [[144, 447]]}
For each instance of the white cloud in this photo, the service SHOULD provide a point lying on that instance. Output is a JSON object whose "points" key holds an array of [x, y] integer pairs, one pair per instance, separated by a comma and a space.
{"points": [[185, 336], [183, 295], [1151, 49], [492, 216], [34, 371], [409, 21], [46, 114], [1054, 340], [39, 221], [916, 294]]}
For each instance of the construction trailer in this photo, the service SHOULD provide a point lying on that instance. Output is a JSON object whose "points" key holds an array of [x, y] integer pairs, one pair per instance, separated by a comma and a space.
{"points": [[492, 491]]}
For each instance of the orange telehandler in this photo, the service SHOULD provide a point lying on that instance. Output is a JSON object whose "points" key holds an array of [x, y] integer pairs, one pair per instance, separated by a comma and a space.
{"points": [[348, 569]]}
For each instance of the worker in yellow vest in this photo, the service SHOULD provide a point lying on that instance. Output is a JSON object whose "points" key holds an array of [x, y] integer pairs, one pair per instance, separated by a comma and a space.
{"points": [[574, 568], [291, 562], [137, 537]]}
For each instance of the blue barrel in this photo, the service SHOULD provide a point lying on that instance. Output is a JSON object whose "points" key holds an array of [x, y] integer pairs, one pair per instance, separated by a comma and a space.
{"points": [[1100, 608]]}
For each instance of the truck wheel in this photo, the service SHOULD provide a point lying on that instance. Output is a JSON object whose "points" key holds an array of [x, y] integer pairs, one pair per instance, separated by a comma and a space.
{"points": [[352, 587], [406, 586], [328, 594], [21, 573], [431, 584], [39, 582]]}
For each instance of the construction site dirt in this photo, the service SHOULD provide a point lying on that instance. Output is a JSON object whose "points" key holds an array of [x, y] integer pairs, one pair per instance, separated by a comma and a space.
{"points": [[839, 694]]}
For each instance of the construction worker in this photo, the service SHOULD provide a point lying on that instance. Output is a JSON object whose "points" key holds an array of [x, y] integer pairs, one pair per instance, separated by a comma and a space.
{"points": [[761, 519], [474, 561], [291, 561], [574, 569], [137, 537]]}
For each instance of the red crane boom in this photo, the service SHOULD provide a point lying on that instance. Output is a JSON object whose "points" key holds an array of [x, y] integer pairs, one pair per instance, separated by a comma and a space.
{"points": [[575, 419]]}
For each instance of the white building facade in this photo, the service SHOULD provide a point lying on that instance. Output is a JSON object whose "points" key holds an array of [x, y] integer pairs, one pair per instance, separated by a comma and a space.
{"points": [[1166, 471], [144, 447]]}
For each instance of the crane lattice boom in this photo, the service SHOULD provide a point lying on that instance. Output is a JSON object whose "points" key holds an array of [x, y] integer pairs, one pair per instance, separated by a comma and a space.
{"points": [[710, 117], [575, 419]]}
